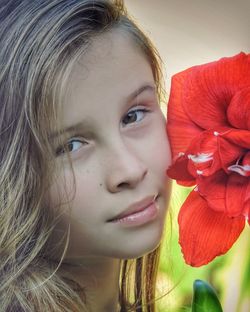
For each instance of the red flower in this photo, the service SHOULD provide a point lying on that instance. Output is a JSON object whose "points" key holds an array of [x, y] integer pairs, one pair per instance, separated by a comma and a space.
{"points": [[209, 132]]}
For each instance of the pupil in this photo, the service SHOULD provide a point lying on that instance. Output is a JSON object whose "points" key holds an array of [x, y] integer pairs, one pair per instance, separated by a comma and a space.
{"points": [[131, 117], [70, 147]]}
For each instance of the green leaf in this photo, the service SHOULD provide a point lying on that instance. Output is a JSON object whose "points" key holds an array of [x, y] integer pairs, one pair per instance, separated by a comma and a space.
{"points": [[205, 298]]}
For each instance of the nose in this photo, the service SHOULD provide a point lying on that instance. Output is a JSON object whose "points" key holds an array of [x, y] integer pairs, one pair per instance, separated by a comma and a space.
{"points": [[125, 168]]}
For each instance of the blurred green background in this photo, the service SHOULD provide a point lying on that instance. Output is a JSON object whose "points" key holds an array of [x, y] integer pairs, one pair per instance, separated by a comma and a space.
{"points": [[229, 274]]}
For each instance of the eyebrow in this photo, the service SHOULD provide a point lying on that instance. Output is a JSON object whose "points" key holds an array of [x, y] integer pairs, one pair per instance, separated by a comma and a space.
{"points": [[85, 123], [147, 87]]}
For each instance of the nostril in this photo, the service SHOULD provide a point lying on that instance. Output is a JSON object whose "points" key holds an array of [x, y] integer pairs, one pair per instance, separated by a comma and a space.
{"points": [[123, 184]]}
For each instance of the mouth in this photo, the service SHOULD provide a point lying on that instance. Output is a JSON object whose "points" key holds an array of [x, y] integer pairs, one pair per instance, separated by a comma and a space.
{"points": [[138, 213]]}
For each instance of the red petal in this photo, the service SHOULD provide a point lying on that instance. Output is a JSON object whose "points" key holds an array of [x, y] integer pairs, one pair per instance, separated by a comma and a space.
{"points": [[238, 137], [224, 193], [205, 234], [236, 194], [179, 127], [213, 190], [179, 172], [246, 159], [209, 89], [239, 109], [247, 203]]}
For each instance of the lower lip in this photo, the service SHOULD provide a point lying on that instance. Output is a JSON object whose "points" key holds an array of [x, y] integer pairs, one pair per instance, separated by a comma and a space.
{"points": [[140, 217]]}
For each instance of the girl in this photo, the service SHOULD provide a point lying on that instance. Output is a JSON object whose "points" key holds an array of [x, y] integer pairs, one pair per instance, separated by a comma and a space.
{"points": [[83, 157]]}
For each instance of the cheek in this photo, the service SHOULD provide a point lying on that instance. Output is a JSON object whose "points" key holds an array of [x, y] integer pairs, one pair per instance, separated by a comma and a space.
{"points": [[159, 147], [71, 189], [61, 190], [88, 186], [160, 157]]}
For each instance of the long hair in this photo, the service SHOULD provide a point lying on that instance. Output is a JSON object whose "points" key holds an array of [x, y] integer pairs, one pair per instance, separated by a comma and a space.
{"points": [[40, 40]]}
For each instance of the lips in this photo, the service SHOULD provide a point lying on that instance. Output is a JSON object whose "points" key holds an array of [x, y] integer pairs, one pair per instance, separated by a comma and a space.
{"points": [[135, 208]]}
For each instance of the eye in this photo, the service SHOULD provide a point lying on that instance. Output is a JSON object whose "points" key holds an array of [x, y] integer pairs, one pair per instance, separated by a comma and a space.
{"points": [[135, 115], [71, 146]]}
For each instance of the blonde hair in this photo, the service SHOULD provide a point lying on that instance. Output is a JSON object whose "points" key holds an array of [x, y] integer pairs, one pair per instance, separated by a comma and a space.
{"points": [[39, 43]]}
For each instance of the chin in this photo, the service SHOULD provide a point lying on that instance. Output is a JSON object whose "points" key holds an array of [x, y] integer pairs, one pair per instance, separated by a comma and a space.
{"points": [[140, 246], [141, 253]]}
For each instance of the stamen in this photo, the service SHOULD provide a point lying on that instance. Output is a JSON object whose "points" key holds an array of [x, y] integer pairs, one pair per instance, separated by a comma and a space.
{"points": [[181, 154], [242, 170], [200, 157]]}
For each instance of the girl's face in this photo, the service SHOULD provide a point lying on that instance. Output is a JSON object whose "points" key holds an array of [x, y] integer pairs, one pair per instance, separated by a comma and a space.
{"points": [[117, 141]]}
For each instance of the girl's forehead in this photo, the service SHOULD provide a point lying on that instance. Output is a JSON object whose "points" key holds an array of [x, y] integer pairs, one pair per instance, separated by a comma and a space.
{"points": [[115, 49], [112, 66]]}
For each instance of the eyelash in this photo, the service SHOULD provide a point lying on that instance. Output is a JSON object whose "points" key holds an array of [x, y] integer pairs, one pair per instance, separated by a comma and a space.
{"points": [[63, 149], [138, 110]]}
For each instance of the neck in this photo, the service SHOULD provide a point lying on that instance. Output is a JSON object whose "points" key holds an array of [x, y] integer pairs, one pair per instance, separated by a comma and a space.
{"points": [[99, 278]]}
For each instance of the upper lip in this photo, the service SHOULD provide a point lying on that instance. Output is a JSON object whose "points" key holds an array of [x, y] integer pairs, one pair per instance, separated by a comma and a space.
{"points": [[135, 207]]}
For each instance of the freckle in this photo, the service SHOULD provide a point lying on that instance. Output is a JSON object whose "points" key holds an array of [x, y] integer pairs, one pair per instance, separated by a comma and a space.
{"points": [[100, 184]]}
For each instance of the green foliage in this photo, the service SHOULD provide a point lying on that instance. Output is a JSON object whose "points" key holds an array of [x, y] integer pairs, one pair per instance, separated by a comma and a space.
{"points": [[205, 298]]}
